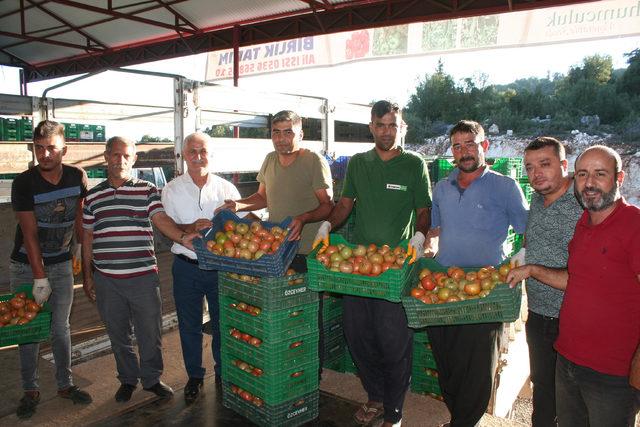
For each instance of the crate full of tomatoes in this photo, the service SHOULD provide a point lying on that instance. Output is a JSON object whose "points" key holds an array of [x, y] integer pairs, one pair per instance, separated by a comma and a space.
{"points": [[360, 270], [242, 246], [23, 321], [292, 413], [440, 295]]}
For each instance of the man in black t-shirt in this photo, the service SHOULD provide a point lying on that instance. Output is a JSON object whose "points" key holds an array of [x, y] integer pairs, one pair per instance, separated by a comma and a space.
{"points": [[47, 200]]}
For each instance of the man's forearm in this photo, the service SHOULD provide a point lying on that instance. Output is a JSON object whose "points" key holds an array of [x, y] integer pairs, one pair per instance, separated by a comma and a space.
{"points": [[87, 255], [555, 277], [252, 203], [340, 212], [320, 213]]}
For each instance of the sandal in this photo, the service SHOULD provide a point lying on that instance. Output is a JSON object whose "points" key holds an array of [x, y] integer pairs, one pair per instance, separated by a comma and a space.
{"points": [[368, 412]]}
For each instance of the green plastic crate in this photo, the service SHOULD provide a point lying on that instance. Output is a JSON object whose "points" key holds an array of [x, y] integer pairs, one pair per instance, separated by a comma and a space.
{"points": [[387, 286], [501, 305], [440, 168], [334, 347], [270, 325], [423, 356], [526, 187], [99, 134], [271, 293], [26, 129], [272, 355], [37, 330], [86, 132], [71, 132], [10, 129], [508, 166], [332, 328], [331, 307], [424, 383], [420, 336], [276, 387], [334, 363], [293, 413]]}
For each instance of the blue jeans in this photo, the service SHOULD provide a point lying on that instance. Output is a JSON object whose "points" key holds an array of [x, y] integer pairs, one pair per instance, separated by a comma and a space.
{"points": [[60, 277], [542, 332], [190, 286], [129, 306], [588, 398]]}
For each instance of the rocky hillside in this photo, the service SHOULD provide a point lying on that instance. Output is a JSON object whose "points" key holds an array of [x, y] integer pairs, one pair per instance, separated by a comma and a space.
{"points": [[510, 146]]}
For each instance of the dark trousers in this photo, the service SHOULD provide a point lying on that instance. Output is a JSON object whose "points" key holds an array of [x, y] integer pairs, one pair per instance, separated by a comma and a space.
{"points": [[125, 306], [466, 356], [585, 397], [190, 286], [542, 332], [381, 345]]}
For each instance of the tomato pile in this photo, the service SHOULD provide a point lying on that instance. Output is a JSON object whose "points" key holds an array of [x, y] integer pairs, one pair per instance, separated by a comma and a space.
{"points": [[244, 366], [457, 285], [250, 242], [19, 310], [247, 308], [368, 260], [245, 395], [239, 335], [256, 280]]}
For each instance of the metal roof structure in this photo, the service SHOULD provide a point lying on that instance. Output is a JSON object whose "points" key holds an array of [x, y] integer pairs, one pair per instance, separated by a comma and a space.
{"points": [[56, 38]]}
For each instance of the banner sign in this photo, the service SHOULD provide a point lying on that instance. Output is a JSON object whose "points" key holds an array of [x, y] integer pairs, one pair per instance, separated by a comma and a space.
{"points": [[585, 21]]}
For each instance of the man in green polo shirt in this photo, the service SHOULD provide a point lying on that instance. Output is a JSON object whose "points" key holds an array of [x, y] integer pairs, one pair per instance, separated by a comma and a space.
{"points": [[391, 187]]}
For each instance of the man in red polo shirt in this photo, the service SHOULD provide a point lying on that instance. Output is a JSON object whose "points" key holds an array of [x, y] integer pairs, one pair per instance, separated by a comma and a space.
{"points": [[598, 366]]}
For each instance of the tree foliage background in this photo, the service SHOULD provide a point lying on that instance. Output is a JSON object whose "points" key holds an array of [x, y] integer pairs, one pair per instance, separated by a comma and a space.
{"points": [[532, 105]]}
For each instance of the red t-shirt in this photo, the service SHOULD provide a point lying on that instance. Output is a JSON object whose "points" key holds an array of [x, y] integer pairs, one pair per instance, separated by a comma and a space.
{"points": [[600, 314]]}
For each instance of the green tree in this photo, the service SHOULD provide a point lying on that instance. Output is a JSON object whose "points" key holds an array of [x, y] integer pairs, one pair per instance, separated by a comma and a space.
{"points": [[630, 81]]}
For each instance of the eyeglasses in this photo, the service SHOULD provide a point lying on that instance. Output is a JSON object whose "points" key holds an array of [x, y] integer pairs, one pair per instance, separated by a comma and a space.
{"points": [[469, 146]]}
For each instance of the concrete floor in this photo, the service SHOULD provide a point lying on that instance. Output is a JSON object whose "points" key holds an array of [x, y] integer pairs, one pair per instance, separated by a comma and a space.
{"points": [[97, 376]]}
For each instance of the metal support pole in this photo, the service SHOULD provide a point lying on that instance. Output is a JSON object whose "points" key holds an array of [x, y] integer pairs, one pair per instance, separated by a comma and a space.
{"points": [[179, 112], [328, 127], [236, 68]]}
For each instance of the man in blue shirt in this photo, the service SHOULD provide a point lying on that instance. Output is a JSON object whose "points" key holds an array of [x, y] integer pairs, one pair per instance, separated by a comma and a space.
{"points": [[472, 211]]}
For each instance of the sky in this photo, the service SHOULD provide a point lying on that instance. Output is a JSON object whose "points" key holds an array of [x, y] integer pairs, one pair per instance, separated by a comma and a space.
{"points": [[359, 82]]}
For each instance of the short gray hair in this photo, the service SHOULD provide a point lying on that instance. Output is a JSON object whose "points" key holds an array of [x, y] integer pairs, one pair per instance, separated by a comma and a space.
{"points": [[195, 136], [128, 142]]}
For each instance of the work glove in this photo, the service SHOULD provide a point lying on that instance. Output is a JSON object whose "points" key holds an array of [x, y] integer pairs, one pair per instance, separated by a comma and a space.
{"points": [[416, 247], [76, 259], [322, 235], [517, 260], [41, 290]]}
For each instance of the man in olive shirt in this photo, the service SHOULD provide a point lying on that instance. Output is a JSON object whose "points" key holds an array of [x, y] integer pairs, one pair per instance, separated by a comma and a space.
{"points": [[294, 182], [391, 187]]}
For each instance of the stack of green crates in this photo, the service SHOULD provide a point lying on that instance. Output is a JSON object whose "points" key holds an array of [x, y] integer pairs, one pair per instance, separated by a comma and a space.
{"points": [[10, 129], [270, 364], [526, 188], [424, 371], [334, 342], [84, 133], [441, 167]]}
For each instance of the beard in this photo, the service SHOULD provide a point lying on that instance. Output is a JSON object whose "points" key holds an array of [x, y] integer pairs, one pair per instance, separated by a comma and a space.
{"points": [[385, 144], [470, 168], [598, 204]]}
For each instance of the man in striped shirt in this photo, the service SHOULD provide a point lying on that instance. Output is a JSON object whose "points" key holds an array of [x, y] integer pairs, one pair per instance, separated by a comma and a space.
{"points": [[119, 267]]}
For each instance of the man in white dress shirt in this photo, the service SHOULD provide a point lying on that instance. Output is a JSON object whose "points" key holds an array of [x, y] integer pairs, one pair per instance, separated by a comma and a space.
{"points": [[190, 200]]}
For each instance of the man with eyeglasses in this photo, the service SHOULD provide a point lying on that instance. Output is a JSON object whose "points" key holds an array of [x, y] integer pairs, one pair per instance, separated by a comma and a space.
{"points": [[472, 211], [190, 200], [294, 182], [47, 200]]}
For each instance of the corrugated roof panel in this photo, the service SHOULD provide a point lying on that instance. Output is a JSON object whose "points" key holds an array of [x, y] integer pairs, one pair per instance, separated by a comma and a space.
{"points": [[218, 13]]}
